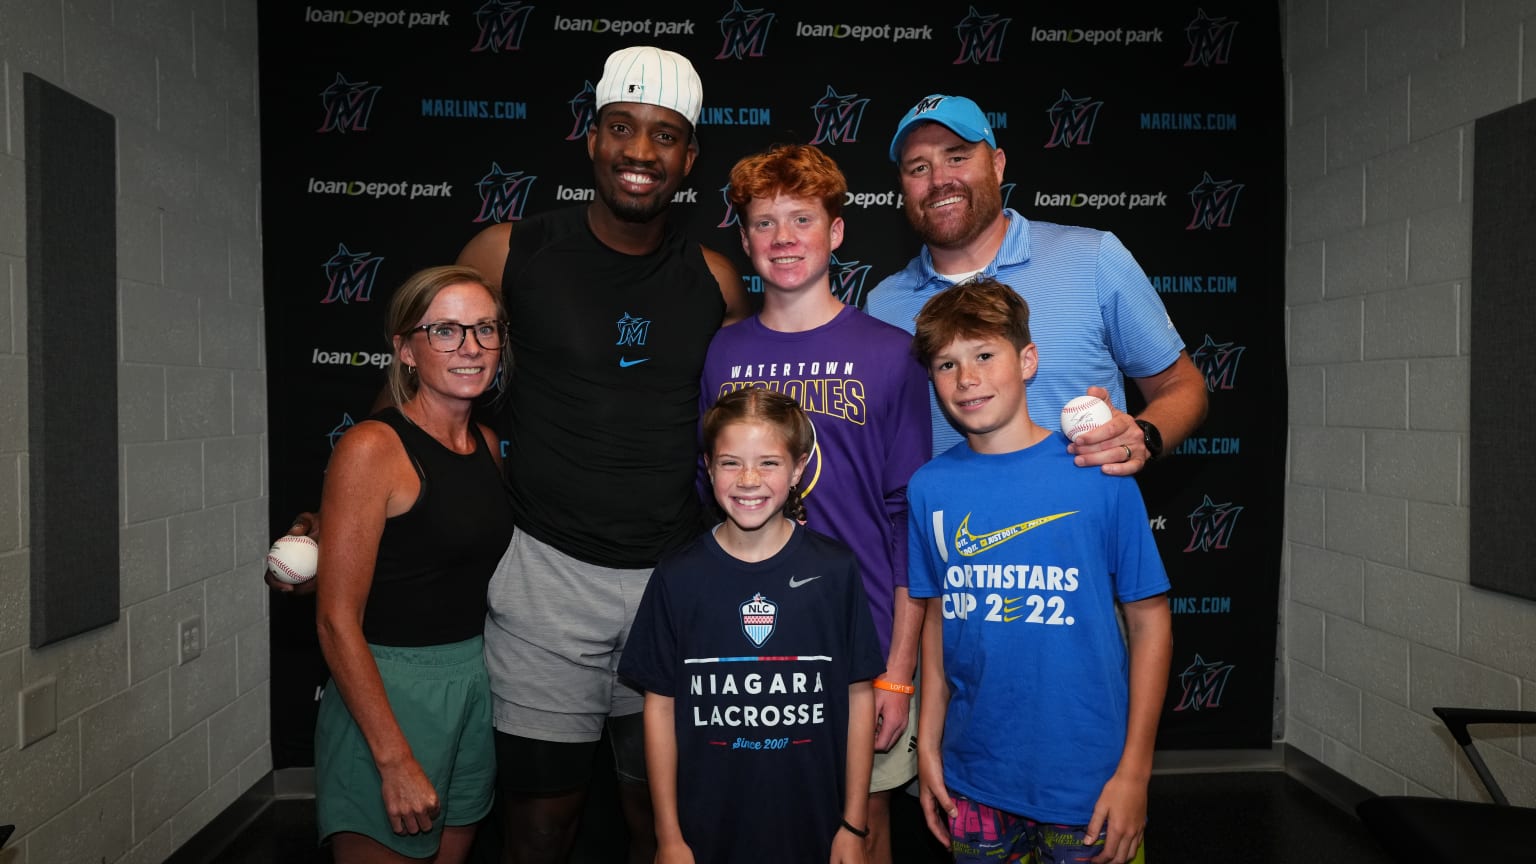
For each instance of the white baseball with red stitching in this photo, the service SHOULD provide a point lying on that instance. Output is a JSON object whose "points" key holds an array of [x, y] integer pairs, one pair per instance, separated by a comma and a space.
{"points": [[293, 559], [1082, 414]]}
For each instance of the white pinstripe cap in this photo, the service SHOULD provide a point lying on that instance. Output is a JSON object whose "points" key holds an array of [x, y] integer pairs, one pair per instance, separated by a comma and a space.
{"points": [[651, 76]]}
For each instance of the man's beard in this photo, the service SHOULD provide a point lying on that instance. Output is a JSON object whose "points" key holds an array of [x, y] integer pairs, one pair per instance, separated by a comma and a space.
{"points": [[639, 212], [982, 204]]}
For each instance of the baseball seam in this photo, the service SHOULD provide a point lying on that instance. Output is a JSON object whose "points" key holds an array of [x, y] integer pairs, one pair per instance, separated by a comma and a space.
{"points": [[279, 564], [274, 561]]}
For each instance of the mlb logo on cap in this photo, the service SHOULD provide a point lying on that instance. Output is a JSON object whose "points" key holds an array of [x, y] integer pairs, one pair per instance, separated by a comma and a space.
{"points": [[651, 76]]}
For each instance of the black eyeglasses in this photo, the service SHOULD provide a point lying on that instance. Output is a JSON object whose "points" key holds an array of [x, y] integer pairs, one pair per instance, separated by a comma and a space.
{"points": [[449, 335]]}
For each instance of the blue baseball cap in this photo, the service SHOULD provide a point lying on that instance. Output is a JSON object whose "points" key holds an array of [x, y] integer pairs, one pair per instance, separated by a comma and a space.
{"points": [[957, 113]]}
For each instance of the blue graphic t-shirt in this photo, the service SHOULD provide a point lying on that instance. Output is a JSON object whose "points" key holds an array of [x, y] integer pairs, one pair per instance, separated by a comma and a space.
{"points": [[758, 658], [1028, 555]]}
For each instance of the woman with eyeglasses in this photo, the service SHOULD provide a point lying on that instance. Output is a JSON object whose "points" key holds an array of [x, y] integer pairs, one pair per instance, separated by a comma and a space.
{"points": [[416, 517]]}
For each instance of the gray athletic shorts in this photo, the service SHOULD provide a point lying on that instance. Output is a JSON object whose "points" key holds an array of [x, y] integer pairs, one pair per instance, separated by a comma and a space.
{"points": [[553, 637]]}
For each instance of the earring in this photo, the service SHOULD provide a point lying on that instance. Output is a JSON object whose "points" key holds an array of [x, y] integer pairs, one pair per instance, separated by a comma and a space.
{"points": [[410, 370]]}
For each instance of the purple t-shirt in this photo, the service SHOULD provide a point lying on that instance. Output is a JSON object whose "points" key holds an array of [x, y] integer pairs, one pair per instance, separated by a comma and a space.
{"points": [[867, 396]]}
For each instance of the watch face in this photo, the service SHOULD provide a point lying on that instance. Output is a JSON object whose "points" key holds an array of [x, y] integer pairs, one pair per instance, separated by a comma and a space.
{"points": [[1151, 438]]}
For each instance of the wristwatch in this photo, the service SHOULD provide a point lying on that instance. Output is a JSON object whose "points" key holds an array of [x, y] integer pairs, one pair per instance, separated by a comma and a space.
{"points": [[1151, 439]]}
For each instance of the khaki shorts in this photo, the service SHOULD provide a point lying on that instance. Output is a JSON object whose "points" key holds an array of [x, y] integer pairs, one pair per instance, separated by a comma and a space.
{"points": [[441, 699]]}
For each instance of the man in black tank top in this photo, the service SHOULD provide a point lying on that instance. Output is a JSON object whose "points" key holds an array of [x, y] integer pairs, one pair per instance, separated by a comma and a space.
{"points": [[611, 313]]}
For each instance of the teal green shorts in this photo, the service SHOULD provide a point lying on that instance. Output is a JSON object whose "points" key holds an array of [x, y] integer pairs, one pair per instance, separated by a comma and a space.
{"points": [[441, 698]]}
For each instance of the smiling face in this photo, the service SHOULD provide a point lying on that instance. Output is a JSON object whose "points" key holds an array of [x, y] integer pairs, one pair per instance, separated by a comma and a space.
{"points": [[980, 383], [467, 371], [790, 241], [640, 156], [751, 471], [952, 188]]}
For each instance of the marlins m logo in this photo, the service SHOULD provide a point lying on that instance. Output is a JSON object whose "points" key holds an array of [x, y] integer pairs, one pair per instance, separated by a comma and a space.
{"points": [[1203, 683], [340, 429], [1217, 361], [1072, 121], [745, 32], [1210, 40], [501, 24], [838, 117], [584, 110], [1211, 525], [347, 105], [1215, 201], [981, 37], [731, 217], [350, 275], [503, 195], [632, 330], [848, 281]]}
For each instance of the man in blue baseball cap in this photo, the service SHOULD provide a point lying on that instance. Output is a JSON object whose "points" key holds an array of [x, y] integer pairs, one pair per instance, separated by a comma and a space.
{"points": [[1095, 317]]}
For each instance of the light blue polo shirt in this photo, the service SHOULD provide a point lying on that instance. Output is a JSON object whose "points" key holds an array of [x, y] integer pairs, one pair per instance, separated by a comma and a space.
{"points": [[1093, 314]]}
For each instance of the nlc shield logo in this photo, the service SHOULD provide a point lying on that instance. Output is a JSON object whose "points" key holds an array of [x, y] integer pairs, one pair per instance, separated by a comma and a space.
{"points": [[758, 618]]}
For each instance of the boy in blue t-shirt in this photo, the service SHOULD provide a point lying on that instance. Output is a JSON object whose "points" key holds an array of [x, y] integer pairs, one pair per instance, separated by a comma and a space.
{"points": [[1037, 727]]}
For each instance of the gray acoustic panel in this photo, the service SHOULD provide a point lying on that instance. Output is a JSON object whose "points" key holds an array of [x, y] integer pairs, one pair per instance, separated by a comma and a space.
{"points": [[71, 158], [1503, 470]]}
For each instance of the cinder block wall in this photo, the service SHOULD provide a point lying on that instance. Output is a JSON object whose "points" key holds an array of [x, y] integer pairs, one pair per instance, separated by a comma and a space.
{"points": [[147, 751], [1380, 621]]}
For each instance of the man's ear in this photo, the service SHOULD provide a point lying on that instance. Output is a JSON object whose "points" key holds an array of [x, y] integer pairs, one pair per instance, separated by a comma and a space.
{"points": [[692, 154]]}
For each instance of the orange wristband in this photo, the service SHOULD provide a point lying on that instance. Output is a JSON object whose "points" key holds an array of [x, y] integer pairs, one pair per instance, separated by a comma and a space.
{"points": [[894, 687]]}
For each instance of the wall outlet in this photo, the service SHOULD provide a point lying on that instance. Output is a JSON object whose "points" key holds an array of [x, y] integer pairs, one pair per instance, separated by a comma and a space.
{"points": [[189, 639], [38, 712]]}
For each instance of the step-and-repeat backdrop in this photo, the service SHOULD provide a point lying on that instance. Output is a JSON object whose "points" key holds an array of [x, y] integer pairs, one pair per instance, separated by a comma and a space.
{"points": [[393, 133]]}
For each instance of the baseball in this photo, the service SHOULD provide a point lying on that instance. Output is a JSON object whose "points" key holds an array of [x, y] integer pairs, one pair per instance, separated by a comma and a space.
{"points": [[293, 559], [1082, 414]]}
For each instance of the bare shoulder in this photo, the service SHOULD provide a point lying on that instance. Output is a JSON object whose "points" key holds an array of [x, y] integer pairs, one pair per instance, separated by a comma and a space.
{"points": [[367, 441], [369, 463], [487, 252], [737, 306]]}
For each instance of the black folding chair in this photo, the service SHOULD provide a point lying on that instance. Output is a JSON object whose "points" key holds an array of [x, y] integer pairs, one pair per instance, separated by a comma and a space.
{"points": [[1420, 830]]}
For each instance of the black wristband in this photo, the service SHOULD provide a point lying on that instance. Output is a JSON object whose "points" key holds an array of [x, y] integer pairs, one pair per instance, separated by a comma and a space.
{"points": [[1152, 439], [861, 833]]}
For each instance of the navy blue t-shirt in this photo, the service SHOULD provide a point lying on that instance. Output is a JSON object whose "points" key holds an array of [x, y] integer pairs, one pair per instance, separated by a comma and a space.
{"points": [[758, 657]]}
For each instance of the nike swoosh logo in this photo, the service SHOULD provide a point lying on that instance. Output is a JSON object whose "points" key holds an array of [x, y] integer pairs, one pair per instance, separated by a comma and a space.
{"points": [[625, 364], [796, 583]]}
